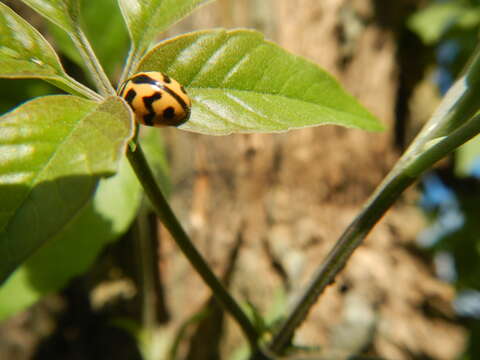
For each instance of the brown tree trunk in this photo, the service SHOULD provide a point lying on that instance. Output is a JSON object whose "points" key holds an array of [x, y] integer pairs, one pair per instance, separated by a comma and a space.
{"points": [[289, 196]]}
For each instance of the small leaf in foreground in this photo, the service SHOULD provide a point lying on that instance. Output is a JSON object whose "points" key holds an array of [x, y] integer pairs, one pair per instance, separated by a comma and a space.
{"points": [[242, 83], [146, 19], [23, 50], [53, 151], [64, 13]]}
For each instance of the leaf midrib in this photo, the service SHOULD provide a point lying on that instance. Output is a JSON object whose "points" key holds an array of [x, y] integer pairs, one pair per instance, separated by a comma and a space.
{"points": [[260, 93]]}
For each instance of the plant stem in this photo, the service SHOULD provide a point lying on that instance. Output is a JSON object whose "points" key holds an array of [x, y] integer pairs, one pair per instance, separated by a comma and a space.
{"points": [[379, 203], [127, 68], [101, 80], [72, 86], [169, 220], [450, 126], [146, 255], [130, 63]]}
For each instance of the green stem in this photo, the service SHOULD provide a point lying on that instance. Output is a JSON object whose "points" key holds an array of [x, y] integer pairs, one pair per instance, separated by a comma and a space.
{"points": [[379, 203], [131, 62], [72, 86], [453, 117], [148, 277], [101, 80], [146, 265], [167, 217]]}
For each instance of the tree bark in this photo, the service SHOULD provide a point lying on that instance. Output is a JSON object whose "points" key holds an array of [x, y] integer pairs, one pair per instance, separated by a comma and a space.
{"points": [[291, 195]]}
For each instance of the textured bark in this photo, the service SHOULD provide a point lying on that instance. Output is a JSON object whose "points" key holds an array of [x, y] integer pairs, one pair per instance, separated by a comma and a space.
{"points": [[291, 195]]}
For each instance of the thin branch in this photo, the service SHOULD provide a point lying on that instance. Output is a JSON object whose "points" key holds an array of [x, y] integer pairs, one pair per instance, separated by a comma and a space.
{"points": [[450, 126], [169, 220], [96, 70]]}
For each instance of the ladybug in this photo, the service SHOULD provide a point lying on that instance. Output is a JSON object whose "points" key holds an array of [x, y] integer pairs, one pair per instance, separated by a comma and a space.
{"points": [[156, 99]]}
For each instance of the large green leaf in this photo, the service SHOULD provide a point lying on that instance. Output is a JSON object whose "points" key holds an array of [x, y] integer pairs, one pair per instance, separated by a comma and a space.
{"points": [[73, 250], [242, 83], [147, 18], [23, 50], [64, 13], [52, 152]]}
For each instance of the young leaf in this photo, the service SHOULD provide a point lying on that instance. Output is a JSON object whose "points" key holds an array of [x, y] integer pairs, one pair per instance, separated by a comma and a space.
{"points": [[435, 20], [53, 151], [242, 83], [64, 13], [107, 215], [23, 50], [24, 53], [146, 19]]}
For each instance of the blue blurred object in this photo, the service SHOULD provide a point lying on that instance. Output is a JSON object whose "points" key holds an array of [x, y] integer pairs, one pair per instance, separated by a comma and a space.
{"points": [[437, 196], [447, 52], [467, 303], [475, 171]]}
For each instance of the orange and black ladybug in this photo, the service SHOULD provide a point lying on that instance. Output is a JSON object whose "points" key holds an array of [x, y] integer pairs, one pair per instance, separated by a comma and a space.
{"points": [[156, 99]]}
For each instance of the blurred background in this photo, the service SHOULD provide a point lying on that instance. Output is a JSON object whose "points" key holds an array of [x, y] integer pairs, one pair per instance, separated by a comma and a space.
{"points": [[265, 209]]}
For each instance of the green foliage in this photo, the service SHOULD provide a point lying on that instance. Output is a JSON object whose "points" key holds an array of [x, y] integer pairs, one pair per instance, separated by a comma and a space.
{"points": [[466, 157], [58, 210], [109, 38], [23, 51], [146, 19], [242, 83], [54, 150], [101, 220], [452, 27], [435, 21], [64, 13], [153, 145]]}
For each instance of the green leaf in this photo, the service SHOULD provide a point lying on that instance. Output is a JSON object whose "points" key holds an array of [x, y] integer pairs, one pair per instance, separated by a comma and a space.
{"points": [[242, 83], [146, 19], [434, 21], [53, 150], [107, 216], [64, 13], [24, 53], [23, 50], [467, 157]]}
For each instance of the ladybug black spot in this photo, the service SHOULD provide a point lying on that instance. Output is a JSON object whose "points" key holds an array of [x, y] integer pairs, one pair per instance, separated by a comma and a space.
{"points": [[169, 113], [148, 119], [130, 96], [148, 101], [143, 79]]}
